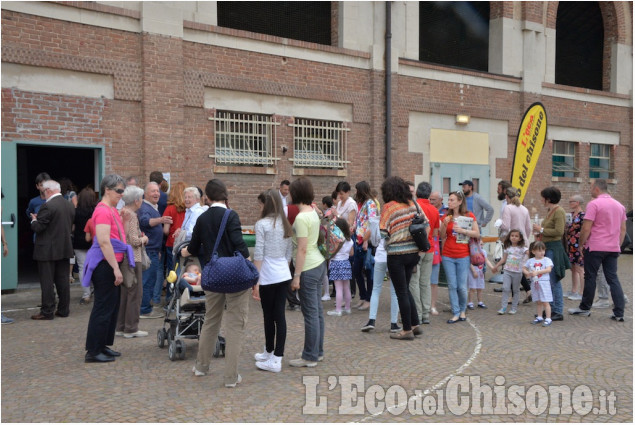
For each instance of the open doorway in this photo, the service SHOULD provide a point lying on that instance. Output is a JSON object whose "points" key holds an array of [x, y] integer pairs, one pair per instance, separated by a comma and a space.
{"points": [[79, 164]]}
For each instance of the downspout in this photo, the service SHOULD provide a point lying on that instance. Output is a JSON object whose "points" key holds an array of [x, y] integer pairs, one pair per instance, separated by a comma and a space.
{"points": [[388, 59]]}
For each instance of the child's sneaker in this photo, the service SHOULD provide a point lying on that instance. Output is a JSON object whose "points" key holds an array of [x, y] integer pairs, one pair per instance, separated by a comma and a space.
{"points": [[470, 306], [326, 297], [334, 313], [547, 322], [481, 305], [346, 311], [537, 320], [512, 311], [502, 311], [273, 364]]}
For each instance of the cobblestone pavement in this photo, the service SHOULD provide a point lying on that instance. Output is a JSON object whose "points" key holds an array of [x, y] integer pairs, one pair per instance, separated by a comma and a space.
{"points": [[45, 379]]}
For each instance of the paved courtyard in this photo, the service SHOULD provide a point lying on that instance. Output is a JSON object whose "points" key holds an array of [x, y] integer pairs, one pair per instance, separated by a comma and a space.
{"points": [[450, 374]]}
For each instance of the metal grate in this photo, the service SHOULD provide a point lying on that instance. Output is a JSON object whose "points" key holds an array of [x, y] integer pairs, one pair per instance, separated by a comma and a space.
{"points": [[244, 139], [319, 144]]}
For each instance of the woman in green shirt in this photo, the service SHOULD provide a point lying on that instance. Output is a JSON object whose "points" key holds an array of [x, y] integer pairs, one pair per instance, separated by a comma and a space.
{"points": [[550, 231], [310, 272]]}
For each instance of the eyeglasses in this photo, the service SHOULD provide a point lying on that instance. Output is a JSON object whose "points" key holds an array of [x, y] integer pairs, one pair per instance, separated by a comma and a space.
{"points": [[118, 190]]}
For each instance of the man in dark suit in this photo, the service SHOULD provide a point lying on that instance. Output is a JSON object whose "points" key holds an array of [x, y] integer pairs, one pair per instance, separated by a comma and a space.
{"points": [[53, 249]]}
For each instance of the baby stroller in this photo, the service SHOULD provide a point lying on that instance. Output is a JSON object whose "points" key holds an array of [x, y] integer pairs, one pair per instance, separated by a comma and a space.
{"points": [[185, 312]]}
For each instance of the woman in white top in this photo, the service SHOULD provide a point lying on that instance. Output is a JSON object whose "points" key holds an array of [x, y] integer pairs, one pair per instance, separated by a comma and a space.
{"points": [[272, 255]]}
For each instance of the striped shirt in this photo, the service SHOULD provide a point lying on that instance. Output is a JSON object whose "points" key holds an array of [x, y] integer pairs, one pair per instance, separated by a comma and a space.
{"points": [[394, 227]]}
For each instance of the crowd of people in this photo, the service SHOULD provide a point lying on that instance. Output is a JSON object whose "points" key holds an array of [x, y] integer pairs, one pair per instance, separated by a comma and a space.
{"points": [[110, 238]]}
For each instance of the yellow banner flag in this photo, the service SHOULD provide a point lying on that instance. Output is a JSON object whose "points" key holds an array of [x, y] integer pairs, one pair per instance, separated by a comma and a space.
{"points": [[529, 144]]}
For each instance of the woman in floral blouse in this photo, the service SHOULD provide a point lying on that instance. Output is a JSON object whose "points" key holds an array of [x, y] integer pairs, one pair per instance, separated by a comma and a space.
{"points": [[367, 208], [573, 249]]}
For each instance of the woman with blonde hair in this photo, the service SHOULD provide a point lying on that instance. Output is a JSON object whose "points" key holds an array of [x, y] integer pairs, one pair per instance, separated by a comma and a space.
{"points": [[573, 247]]}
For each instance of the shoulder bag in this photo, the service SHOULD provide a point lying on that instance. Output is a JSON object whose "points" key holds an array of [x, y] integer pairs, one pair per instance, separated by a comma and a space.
{"points": [[228, 274], [419, 230]]}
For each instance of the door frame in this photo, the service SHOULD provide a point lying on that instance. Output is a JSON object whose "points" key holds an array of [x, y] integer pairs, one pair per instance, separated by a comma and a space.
{"points": [[11, 205]]}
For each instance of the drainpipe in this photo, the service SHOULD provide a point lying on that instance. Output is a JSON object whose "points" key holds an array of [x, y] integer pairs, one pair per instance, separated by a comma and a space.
{"points": [[388, 59]]}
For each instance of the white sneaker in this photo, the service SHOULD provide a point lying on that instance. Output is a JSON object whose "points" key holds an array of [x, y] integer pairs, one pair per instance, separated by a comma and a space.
{"points": [[197, 372], [273, 364], [326, 298], [575, 297], [238, 381], [137, 334], [346, 311], [264, 356], [601, 303], [334, 313], [119, 333], [302, 363]]}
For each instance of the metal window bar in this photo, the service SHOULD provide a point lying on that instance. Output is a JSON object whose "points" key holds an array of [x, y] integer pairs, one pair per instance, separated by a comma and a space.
{"points": [[319, 144], [244, 139], [563, 159]]}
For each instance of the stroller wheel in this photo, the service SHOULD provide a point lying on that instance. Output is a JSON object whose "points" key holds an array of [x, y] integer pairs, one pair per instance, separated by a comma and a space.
{"points": [[172, 351], [180, 349], [162, 335]]}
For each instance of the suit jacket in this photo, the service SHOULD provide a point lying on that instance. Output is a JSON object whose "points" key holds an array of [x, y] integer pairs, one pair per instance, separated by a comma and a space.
{"points": [[53, 229]]}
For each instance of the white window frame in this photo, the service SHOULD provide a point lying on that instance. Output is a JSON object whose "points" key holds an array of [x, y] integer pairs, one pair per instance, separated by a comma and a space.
{"points": [[568, 152], [319, 143], [600, 171], [243, 138]]}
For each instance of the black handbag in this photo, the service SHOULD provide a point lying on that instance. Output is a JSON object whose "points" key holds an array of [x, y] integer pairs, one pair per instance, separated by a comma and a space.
{"points": [[418, 229], [228, 274]]}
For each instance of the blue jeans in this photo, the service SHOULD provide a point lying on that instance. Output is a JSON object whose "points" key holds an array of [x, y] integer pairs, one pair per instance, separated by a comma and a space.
{"points": [[311, 304], [434, 276], [158, 285], [557, 305], [149, 281], [456, 270], [378, 277], [608, 261], [365, 288]]}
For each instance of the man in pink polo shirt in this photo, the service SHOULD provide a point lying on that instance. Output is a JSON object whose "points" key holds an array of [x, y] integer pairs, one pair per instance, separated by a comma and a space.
{"points": [[601, 237]]}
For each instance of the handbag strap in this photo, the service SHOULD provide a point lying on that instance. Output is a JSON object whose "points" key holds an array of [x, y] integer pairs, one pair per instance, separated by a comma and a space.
{"points": [[221, 230]]}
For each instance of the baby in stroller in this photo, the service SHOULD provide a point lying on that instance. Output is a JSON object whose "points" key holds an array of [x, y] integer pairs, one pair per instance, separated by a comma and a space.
{"points": [[191, 280]]}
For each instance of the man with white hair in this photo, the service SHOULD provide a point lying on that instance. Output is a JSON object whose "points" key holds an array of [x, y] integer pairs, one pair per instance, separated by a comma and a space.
{"points": [[53, 249], [193, 209], [151, 224]]}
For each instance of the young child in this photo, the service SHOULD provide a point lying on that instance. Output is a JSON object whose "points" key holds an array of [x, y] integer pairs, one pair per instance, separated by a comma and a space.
{"points": [[476, 282], [191, 276], [537, 270], [514, 256], [340, 271]]}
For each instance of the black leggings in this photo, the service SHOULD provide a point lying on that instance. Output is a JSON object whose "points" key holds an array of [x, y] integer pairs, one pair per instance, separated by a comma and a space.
{"points": [[272, 299], [400, 268]]}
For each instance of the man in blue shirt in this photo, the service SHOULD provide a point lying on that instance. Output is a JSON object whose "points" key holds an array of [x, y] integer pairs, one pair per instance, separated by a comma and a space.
{"points": [[151, 224], [482, 210], [38, 201], [157, 177]]}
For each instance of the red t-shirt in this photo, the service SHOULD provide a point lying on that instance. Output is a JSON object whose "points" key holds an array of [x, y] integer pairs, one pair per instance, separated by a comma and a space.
{"points": [[90, 228], [177, 222], [433, 217], [110, 216], [453, 249]]}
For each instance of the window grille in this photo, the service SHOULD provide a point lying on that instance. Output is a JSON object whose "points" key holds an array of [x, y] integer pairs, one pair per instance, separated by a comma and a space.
{"points": [[319, 144], [244, 139], [563, 159], [600, 162]]}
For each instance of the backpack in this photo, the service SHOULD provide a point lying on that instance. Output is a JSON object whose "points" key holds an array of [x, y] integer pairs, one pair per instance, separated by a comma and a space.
{"points": [[331, 238]]}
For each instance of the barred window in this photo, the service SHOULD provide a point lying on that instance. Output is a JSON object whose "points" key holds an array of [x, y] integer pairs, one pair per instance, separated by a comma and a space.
{"points": [[244, 139], [319, 144], [563, 159], [600, 162]]}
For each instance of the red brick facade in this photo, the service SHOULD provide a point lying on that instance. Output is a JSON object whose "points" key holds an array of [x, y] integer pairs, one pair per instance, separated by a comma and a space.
{"points": [[157, 120]]}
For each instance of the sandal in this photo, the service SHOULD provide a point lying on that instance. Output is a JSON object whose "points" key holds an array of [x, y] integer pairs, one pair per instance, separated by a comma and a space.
{"points": [[434, 311]]}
